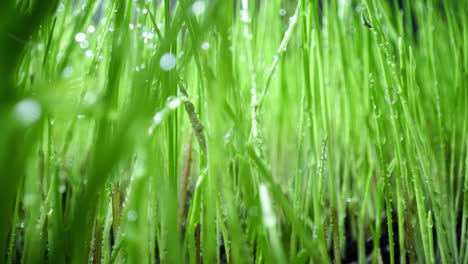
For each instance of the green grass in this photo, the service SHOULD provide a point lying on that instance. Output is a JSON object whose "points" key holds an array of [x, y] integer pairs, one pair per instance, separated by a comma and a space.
{"points": [[240, 131]]}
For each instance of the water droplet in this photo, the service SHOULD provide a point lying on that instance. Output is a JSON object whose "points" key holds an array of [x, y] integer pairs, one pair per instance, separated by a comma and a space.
{"points": [[131, 26], [28, 111], [388, 97], [144, 11], [61, 8], [62, 188], [205, 45], [387, 248], [84, 44], [67, 72], [80, 37], [158, 117], [348, 200], [227, 136], [91, 29], [244, 16], [275, 59], [132, 216], [377, 112], [145, 35], [198, 7], [173, 102], [282, 12], [314, 232], [90, 98], [168, 61], [89, 53]]}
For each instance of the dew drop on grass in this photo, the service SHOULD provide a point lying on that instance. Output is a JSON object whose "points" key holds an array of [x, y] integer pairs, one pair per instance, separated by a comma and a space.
{"points": [[389, 98], [147, 35], [173, 102], [90, 98], [80, 37], [377, 112], [132, 216], [198, 7], [244, 16], [91, 29], [67, 72], [61, 8], [62, 188], [227, 136], [28, 111], [275, 59], [314, 232], [89, 53], [144, 11], [158, 117], [205, 45], [282, 12], [167, 61]]}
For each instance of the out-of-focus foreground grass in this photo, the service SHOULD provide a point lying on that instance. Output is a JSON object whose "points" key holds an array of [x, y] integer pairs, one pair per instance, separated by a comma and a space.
{"points": [[214, 131]]}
